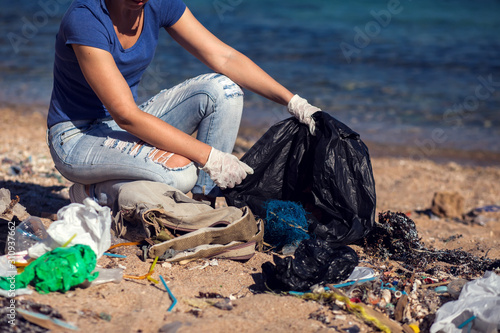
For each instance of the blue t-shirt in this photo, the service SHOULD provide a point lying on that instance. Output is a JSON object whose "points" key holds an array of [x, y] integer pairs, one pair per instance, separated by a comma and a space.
{"points": [[87, 22]]}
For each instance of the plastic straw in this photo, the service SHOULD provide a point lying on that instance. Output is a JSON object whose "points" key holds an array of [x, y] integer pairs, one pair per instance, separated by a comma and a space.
{"points": [[462, 325], [172, 297], [30, 235], [69, 241], [114, 255]]}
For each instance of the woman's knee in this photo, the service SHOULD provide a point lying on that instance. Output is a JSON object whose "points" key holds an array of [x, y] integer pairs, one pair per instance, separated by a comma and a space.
{"points": [[186, 179], [223, 91]]}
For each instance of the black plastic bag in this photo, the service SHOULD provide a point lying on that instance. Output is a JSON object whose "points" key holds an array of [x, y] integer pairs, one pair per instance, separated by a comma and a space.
{"points": [[329, 173], [314, 263]]}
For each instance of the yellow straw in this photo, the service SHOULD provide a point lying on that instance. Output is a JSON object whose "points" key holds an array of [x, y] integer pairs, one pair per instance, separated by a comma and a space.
{"points": [[151, 271], [69, 241]]}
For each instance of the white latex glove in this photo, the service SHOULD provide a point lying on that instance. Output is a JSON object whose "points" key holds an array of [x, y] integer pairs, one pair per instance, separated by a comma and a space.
{"points": [[303, 111], [226, 170]]}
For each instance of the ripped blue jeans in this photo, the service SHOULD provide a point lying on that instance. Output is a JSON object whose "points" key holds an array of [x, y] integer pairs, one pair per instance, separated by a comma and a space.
{"points": [[98, 152]]}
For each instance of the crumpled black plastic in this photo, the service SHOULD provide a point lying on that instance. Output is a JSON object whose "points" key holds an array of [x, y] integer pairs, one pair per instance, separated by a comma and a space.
{"points": [[315, 262], [329, 173]]}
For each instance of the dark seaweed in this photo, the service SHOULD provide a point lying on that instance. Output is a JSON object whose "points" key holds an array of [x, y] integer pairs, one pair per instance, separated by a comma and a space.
{"points": [[395, 237]]}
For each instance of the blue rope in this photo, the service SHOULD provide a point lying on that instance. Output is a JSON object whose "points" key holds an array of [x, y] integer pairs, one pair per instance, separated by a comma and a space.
{"points": [[286, 223]]}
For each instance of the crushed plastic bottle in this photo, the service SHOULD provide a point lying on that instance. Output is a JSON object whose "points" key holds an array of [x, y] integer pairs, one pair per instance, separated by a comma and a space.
{"points": [[28, 233]]}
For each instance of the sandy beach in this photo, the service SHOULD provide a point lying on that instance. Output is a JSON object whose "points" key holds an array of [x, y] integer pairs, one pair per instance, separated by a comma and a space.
{"points": [[402, 184]]}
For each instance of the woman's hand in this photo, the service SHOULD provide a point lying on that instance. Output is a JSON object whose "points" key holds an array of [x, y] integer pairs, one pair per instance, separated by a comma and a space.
{"points": [[226, 170], [303, 111]]}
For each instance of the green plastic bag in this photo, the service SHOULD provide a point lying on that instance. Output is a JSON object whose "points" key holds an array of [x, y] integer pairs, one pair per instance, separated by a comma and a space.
{"points": [[57, 270]]}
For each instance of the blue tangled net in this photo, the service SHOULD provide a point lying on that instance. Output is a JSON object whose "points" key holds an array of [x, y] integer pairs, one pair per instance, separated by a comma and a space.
{"points": [[286, 223]]}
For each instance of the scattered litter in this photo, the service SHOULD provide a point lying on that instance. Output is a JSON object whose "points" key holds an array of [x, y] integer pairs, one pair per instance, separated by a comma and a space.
{"points": [[15, 293], [202, 294], [145, 276], [455, 287], [106, 275], [205, 265], [361, 273], [477, 305], [33, 318], [365, 313], [211, 262], [123, 244], [166, 265], [45, 321], [90, 223], [114, 255], [27, 233], [57, 270], [451, 238], [489, 208], [105, 316], [315, 262], [481, 215], [441, 289], [172, 297], [224, 304]]}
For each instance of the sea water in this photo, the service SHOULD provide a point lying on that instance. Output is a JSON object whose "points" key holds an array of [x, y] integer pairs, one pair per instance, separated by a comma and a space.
{"points": [[421, 73]]}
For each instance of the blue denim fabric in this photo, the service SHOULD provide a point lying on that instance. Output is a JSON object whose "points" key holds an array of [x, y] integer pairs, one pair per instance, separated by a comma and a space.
{"points": [[98, 151]]}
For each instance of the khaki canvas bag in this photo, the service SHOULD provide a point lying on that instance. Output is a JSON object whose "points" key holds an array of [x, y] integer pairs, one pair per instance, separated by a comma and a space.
{"points": [[180, 228]]}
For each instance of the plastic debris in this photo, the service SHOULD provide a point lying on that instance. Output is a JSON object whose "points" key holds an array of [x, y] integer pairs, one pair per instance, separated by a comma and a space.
{"points": [[455, 287], [315, 262], [146, 276], [285, 224], [330, 174], [172, 297], [27, 233], [87, 224], [478, 305], [114, 255], [441, 289], [105, 275], [57, 270], [46, 321], [31, 317]]}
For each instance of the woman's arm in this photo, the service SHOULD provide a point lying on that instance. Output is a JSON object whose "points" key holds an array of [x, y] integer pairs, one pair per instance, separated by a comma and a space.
{"points": [[102, 74], [221, 58]]}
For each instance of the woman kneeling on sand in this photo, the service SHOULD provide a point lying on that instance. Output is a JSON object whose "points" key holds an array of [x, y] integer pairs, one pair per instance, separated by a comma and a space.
{"points": [[99, 137]]}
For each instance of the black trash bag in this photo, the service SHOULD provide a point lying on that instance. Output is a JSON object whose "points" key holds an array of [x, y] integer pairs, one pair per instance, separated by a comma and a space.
{"points": [[314, 262], [330, 174]]}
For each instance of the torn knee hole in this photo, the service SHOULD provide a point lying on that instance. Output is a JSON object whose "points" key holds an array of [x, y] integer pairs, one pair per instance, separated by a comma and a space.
{"points": [[177, 161], [167, 159]]}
